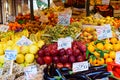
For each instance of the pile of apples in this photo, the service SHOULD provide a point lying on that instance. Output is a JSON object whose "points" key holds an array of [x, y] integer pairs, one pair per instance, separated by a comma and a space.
{"points": [[63, 57]]}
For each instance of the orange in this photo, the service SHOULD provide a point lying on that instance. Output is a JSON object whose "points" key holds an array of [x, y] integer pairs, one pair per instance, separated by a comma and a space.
{"points": [[113, 40], [91, 48], [106, 55], [108, 46], [101, 61], [96, 54], [100, 46], [109, 60], [116, 47], [112, 54]]}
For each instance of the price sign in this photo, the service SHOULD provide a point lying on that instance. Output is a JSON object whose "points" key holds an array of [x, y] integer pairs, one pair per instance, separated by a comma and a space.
{"points": [[65, 43], [98, 16], [1, 71], [4, 28], [24, 41], [117, 58], [10, 54], [64, 19], [30, 72], [104, 32], [80, 66], [105, 2]]}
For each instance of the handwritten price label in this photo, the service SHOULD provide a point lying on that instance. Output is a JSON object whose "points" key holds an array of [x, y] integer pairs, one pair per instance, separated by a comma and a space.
{"points": [[30, 72], [104, 32], [64, 19], [80, 66], [4, 28], [117, 58], [24, 41], [10, 54], [65, 43]]}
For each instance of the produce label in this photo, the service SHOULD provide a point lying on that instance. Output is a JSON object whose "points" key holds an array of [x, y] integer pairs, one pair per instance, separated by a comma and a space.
{"points": [[4, 28], [80, 66], [104, 32], [105, 2], [1, 71], [117, 58], [24, 41], [64, 19], [65, 43], [30, 72], [10, 54]]}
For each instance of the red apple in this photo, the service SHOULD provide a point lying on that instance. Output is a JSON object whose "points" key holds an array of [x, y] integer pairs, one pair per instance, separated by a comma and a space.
{"points": [[80, 58], [40, 53], [72, 59], [64, 59], [76, 52], [69, 51], [48, 59], [62, 52], [40, 60], [54, 52], [59, 65], [56, 59], [68, 65]]}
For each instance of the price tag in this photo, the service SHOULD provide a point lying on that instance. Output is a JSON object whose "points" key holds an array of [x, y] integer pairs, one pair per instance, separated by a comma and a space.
{"points": [[64, 19], [1, 71], [98, 16], [103, 78], [104, 32], [105, 2], [24, 41], [10, 54], [80, 66], [4, 28], [117, 58], [65, 43], [30, 72]]}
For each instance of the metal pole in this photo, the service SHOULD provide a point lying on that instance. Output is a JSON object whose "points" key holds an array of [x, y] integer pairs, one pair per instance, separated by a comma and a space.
{"points": [[87, 7], [48, 3], [31, 10]]}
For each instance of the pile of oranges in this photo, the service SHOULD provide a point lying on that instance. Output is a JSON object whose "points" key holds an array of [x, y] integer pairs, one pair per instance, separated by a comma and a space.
{"points": [[107, 48]]}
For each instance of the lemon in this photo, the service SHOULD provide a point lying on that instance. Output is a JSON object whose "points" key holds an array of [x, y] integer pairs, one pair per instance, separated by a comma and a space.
{"points": [[20, 58], [24, 49], [2, 57], [33, 49], [29, 58]]}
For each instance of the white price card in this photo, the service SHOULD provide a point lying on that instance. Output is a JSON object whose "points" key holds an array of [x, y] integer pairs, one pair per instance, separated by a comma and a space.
{"points": [[10, 54], [30, 72], [65, 43], [24, 41], [105, 2], [1, 71], [117, 58], [4, 28], [64, 19], [80, 66], [103, 32]]}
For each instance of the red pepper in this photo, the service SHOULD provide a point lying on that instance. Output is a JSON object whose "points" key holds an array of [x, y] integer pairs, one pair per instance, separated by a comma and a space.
{"points": [[116, 74]]}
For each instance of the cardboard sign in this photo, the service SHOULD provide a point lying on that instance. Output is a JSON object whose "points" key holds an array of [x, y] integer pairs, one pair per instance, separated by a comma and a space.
{"points": [[80, 66], [64, 19], [4, 28], [24, 41], [117, 58], [65, 43], [30, 72], [103, 32], [10, 54]]}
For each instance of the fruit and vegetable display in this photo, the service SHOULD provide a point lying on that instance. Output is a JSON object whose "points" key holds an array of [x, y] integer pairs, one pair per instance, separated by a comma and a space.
{"points": [[36, 43]]}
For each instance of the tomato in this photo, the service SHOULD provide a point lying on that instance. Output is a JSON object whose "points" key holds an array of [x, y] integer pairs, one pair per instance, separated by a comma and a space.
{"points": [[48, 59]]}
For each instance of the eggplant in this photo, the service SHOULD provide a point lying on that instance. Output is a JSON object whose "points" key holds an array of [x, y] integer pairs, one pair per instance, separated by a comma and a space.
{"points": [[106, 74], [59, 74], [64, 69], [98, 67]]}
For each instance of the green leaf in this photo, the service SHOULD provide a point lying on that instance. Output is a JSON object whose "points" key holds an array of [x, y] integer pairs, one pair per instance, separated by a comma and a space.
{"points": [[101, 54], [87, 54]]}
